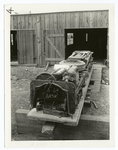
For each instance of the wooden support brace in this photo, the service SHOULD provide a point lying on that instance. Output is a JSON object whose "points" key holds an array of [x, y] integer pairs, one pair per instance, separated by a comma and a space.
{"points": [[47, 66], [48, 128], [87, 103]]}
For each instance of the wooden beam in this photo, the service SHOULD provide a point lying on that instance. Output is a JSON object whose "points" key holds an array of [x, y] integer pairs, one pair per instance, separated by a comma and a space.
{"points": [[87, 103], [95, 118], [21, 29], [46, 68], [54, 47], [54, 59], [21, 117], [48, 128], [56, 35]]}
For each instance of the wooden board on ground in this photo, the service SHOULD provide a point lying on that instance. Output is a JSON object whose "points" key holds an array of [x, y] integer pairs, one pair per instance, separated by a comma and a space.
{"points": [[89, 127], [65, 120]]}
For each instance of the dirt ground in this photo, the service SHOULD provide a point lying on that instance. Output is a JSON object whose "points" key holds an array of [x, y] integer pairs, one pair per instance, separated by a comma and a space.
{"points": [[21, 77]]}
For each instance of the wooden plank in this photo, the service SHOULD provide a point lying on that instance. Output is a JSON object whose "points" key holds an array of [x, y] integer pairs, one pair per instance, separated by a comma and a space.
{"points": [[54, 59], [34, 21], [34, 26], [51, 49], [23, 43], [46, 21], [76, 20], [48, 128], [22, 29], [42, 40], [55, 21], [60, 21], [63, 37], [63, 21], [81, 22], [38, 34], [54, 47], [47, 53], [28, 128], [60, 43], [54, 53], [20, 47], [91, 19], [95, 19], [30, 26], [47, 66], [24, 49], [19, 26], [105, 18], [51, 21], [22, 22], [56, 35], [55, 31], [27, 47], [26, 37], [87, 19], [26, 22], [87, 103], [61, 25], [72, 20], [55, 43], [100, 19], [23, 65], [51, 31], [21, 117], [31, 46], [15, 22], [11, 22], [67, 20], [63, 43]]}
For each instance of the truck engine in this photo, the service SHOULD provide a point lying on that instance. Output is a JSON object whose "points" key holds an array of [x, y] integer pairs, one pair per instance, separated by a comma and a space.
{"points": [[59, 92]]}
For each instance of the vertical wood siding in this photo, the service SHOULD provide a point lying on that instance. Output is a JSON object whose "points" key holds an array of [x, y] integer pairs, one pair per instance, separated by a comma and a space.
{"points": [[56, 23]]}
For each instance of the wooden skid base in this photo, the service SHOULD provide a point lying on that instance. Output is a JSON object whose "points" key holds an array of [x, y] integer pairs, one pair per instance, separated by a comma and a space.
{"points": [[65, 120], [96, 127]]}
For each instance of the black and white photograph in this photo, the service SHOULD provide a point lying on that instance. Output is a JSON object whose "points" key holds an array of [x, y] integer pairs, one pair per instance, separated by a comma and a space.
{"points": [[60, 83]]}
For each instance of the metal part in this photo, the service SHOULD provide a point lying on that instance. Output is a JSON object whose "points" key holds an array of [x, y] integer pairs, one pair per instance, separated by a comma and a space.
{"points": [[59, 92]]}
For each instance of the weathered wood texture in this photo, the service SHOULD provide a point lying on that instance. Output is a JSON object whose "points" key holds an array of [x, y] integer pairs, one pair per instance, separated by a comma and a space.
{"points": [[54, 23], [25, 47], [54, 44], [89, 128]]}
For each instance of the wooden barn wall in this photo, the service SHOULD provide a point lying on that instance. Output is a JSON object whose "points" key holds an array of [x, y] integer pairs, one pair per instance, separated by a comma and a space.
{"points": [[56, 23]]}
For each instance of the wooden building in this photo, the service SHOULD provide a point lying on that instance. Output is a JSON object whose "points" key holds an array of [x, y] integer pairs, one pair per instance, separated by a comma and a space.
{"points": [[38, 38]]}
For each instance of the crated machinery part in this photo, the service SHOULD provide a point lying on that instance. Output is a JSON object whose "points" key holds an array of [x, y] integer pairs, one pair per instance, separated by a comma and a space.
{"points": [[51, 98]]}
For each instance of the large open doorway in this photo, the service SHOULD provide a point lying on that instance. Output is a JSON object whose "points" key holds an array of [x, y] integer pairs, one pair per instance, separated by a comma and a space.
{"points": [[87, 39], [13, 46]]}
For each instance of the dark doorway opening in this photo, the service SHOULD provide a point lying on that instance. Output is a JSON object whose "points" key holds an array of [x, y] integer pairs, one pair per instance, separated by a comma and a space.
{"points": [[13, 46], [94, 40]]}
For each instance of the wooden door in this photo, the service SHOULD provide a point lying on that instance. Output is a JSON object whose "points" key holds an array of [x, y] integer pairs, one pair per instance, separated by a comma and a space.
{"points": [[25, 46], [54, 46]]}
